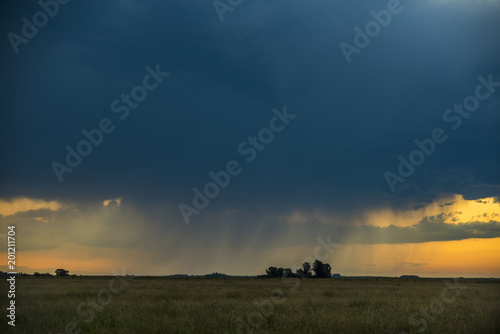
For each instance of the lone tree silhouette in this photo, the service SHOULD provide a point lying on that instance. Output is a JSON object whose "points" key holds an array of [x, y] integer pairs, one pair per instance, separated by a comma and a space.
{"points": [[62, 272]]}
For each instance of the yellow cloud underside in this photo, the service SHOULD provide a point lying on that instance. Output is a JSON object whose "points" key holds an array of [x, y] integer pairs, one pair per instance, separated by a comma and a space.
{"points": [[23, 204], [108, 201], [461, 210]]}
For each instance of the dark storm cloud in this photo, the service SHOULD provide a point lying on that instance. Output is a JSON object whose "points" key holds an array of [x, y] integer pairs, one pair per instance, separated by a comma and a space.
{"points": [[226, 77]]}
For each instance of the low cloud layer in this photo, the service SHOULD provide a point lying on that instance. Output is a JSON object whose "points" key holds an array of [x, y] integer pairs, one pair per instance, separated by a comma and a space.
{"points": [[96, 236]]}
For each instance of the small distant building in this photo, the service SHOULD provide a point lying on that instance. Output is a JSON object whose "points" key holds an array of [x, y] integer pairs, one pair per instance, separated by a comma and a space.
{"points": [[336, 276]]}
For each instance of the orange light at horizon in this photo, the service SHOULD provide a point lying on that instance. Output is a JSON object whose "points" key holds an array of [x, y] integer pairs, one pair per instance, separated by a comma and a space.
{"points": [[470, 257]]}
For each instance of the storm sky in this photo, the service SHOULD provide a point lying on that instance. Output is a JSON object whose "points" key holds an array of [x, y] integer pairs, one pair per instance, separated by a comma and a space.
{"points": [[268, 90]]}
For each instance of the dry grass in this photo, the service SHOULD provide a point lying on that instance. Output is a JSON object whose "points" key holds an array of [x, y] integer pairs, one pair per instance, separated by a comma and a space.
{"points": [[175, 305]]}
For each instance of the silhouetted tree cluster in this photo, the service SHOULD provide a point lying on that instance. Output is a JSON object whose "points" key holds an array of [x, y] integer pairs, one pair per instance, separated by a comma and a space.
{"points": [[321, 270], [317, 270], [274, 272], [305, 271], [280, 272], [62, 272]]}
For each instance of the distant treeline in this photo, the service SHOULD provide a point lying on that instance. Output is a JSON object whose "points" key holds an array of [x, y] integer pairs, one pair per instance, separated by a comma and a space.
{"points": [[317, 270], [58, 272]]}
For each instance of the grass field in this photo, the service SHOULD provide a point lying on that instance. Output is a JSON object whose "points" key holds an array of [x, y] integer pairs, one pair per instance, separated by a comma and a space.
{"points": [[246, 305]]}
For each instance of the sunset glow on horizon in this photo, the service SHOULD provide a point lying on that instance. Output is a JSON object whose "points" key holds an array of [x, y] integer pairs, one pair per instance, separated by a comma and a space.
{"points": [[50, 221]]}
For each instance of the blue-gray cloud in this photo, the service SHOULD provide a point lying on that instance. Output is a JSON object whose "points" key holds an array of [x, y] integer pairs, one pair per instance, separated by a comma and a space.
{"points": [[225, 78]]}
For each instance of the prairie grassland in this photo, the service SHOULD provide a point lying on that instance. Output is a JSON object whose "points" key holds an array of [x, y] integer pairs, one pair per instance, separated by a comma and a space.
{"points": [[246, 305]]}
